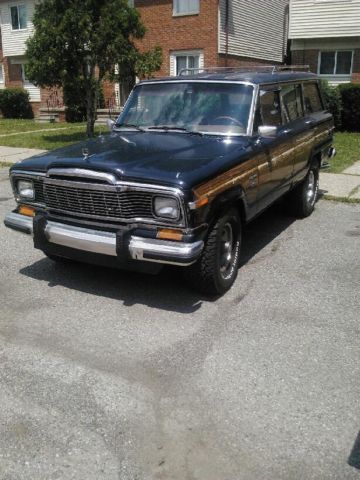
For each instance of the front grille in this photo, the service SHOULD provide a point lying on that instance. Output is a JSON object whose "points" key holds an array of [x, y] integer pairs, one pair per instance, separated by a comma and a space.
{"points": [[39, 191], [99, 203]]}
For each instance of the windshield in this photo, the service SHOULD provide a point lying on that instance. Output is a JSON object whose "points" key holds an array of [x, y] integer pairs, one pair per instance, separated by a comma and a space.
{"points": [[195, 107]]}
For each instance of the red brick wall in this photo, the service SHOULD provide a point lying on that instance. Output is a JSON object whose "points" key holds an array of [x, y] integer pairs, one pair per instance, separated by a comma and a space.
{"points": [[356, 67], [234, 61], [306, 57], [179, 33]]}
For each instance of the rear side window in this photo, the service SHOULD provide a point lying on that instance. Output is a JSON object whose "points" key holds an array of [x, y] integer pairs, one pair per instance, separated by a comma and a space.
{"points": [[292, 103], [270, 110], [312, 98]]}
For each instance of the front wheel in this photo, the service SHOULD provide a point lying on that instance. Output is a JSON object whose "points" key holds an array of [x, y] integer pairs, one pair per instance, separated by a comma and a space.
{"points": [[216, 270], [301, 201]]}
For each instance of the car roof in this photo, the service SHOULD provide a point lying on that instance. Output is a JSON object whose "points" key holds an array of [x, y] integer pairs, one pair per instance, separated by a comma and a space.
{"points": [[270, 75]]}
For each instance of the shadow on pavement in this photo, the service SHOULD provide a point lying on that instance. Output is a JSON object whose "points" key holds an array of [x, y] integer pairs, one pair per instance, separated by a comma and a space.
{"points": [[167, 290], [354, 459]]}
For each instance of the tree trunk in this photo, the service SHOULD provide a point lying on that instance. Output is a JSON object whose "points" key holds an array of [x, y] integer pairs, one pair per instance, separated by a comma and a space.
{"points": [[90, 110]]}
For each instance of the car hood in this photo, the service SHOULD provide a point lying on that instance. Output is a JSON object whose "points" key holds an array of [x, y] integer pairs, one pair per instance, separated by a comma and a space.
{"points": [[175, 159]]}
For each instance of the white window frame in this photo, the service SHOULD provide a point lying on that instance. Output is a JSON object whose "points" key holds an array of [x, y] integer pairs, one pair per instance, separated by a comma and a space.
{"points": [[182, 14], [2, 74], [334, 74], [17, 5], [23, 75], [185, 53]]}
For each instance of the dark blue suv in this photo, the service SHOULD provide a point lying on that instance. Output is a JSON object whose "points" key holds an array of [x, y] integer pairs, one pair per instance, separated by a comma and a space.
{"points": [[189, 161]]}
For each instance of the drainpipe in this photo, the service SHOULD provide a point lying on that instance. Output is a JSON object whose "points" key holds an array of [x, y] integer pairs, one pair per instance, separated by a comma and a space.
{"points": [[226, 31]]}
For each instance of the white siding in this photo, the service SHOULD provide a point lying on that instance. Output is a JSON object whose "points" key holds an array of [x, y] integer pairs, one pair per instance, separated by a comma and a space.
{"points": [[13, 41], [324, 18], [257, 29]]}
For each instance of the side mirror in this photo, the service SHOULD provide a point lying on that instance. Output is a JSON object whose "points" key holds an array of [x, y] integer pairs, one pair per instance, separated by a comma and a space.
{"points": [[267, 131], [110, 123]]}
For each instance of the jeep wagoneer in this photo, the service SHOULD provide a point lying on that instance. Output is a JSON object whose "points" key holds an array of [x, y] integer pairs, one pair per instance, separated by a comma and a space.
{"points": [[189, 161]]}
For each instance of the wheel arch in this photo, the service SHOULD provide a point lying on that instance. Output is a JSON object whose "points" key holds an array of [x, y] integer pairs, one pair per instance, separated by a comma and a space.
{"points": [[232, 198]]}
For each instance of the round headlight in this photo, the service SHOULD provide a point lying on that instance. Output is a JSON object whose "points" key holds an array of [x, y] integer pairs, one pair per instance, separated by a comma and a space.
{"points": [[166, 207], [25, 189]]}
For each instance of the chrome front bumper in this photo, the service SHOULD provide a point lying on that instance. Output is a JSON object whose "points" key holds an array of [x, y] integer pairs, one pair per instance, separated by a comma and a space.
{"points": [[101, 242]]}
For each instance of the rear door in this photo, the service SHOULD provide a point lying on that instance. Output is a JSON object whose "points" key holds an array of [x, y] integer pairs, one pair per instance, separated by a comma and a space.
{"points": [[318, 121]]}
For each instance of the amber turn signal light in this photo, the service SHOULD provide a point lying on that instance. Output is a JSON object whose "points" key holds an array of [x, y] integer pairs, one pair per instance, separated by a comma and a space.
{"points": [[168, 234], [28, 211]]}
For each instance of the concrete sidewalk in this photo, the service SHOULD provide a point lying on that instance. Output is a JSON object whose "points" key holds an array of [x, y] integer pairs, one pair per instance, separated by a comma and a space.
{"points": [[13, 155], [342, 185]]}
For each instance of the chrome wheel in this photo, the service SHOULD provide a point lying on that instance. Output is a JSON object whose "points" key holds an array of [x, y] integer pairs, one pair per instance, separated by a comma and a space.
{"points": [[226, 250], [311, 189]]}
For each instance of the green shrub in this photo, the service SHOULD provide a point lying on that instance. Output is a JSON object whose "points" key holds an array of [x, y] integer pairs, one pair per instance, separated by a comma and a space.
{"points": [[350, 96], [15, 103], [333, 102]]}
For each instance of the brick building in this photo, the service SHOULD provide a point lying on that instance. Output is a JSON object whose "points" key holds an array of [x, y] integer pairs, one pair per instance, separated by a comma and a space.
{"points": [[192, 34], [325, 34]]}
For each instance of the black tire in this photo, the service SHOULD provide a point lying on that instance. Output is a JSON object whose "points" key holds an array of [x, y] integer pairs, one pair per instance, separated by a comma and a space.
{"points": [[301, 201], [216, 270]]}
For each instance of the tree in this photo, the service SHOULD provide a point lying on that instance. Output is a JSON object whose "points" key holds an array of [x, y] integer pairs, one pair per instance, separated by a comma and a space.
{"points": [[78, 44]]}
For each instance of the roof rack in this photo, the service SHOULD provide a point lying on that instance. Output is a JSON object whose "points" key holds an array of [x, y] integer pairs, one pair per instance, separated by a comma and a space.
{"points": [[256, 68]]}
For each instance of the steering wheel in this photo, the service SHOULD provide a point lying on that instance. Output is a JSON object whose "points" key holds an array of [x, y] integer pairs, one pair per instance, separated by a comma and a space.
{"points": [[231, 119]]}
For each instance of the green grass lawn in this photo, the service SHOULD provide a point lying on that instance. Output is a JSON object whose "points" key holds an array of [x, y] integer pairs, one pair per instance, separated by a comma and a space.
{"points": [[16, 126], [45, 136], [348, 151]]}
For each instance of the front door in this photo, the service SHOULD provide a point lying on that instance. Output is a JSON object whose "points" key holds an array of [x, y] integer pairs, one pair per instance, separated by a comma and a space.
{"points": [[275, 164]]}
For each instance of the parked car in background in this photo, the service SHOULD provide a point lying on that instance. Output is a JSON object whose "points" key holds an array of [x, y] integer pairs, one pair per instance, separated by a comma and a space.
{"points": [[190, 160]]}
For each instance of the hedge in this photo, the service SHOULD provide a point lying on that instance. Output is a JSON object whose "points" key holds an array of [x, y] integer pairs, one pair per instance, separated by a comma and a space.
{"points": [[333, 102], [15, 103], [350, 98]]}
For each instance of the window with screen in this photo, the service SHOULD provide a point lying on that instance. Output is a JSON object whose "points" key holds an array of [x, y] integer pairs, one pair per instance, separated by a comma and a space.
{"points": [[292, 103], [186, 7], [335, 62], [312, 100], [18, 17]]}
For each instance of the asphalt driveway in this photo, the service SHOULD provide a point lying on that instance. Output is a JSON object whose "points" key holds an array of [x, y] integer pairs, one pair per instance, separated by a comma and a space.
{"points": [[111, 375]]}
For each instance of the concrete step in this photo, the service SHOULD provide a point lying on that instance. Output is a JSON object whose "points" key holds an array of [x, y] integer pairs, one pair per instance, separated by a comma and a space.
{"points": [[102, 120], [47, 118]]}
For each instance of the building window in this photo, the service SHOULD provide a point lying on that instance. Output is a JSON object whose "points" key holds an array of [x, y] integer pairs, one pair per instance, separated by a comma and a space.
{"points": [[193, 59], [336, 62], [131, 3], [18, 17], [186, 7], [2, 76]]}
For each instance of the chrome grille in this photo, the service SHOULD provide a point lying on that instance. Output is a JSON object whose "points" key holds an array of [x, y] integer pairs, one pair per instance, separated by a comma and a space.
{"points": [[99, 203], [39, 191]]}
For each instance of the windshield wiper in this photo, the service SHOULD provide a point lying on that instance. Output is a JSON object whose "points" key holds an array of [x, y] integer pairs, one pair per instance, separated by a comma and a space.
{"points": [[166, 128], [129, 125]]}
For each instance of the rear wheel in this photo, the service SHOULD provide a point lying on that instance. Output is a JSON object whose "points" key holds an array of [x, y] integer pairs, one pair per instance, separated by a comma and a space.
{"points": [[301, 201], [216, 270]]}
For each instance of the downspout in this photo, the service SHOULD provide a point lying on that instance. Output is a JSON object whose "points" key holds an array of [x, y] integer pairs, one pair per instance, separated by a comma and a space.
{"points": [[286, 42], [226, 31]]}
